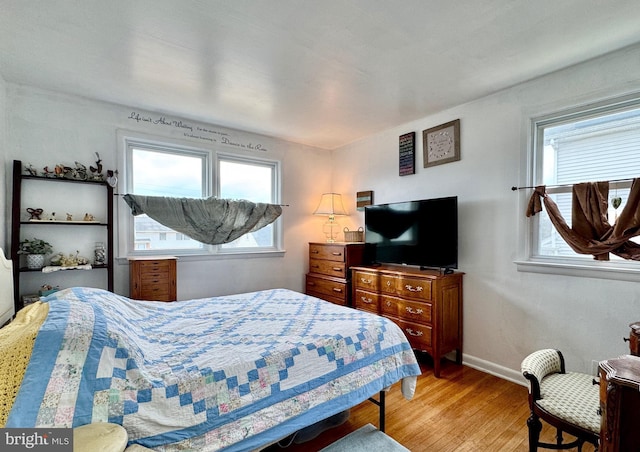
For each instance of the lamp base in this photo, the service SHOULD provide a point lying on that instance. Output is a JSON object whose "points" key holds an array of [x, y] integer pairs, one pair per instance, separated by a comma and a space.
{"points": [[331, 229]]}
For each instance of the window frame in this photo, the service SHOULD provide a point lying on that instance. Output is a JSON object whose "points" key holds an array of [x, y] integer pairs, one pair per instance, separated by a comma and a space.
{"points": [[529, 260], [211, 158]]}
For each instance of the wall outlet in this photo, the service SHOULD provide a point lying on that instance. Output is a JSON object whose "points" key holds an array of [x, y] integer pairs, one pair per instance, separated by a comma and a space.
{"points": [[595, 368]]}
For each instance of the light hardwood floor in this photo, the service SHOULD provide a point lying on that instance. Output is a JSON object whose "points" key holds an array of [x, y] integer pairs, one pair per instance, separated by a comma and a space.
{"points": [[463, 410]]}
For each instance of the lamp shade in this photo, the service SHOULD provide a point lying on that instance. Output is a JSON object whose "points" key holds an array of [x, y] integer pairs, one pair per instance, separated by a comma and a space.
{"points": [[330, 204]]}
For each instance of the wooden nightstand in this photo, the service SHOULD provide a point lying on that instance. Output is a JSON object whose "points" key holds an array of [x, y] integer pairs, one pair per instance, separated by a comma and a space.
{"points": [[153, 278], [329, 277]]}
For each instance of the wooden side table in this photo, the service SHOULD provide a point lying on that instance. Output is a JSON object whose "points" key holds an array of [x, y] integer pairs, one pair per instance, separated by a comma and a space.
{"points": [[153, 278], [620, 404], [634, 339]]}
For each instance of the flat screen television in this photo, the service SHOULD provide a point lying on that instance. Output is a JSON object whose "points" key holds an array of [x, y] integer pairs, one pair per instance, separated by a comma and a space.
{"points": [[421, 233]]}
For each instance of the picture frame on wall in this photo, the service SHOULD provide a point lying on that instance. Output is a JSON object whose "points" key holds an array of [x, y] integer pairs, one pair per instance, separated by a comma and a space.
{"points": [[407, 154], [441, 144]]}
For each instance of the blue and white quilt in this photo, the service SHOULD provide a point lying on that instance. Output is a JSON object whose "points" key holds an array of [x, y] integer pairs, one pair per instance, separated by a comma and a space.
{"points": [[232, 372]]}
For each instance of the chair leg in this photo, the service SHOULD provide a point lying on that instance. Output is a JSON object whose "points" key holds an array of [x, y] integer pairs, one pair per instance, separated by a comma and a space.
{"points": [[535, 426], [559, 437]]}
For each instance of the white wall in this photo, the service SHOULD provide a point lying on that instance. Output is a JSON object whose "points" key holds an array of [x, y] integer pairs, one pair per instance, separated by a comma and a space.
{"points": [[45, 128], [507, 314], [4, 186]]}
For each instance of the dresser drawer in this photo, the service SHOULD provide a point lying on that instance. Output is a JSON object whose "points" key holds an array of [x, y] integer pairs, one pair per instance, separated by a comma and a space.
{"points": [[366, 300], [156, 293], [419, 335], [150, 266], [327, 252], [420, 289], [416, 288], [414, 311], [326, 286], [327, 267], [365, 280]]}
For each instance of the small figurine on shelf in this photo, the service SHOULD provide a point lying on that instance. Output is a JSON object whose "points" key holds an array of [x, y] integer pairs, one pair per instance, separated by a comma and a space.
{"points": [[89, 217], [69, 261], [112, 178], [59, 170], [35, 213], [100, 254], [96, 172], [47, 172], [52, 217], [69, 217], [47, 289], [31, 171]]}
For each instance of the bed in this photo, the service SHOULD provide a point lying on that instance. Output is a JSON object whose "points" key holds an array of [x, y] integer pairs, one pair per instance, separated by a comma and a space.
{"points": [[229, 373]]}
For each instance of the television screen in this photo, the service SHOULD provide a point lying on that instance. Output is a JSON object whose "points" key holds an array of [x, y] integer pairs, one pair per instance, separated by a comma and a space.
{"points": [[422, 233]]}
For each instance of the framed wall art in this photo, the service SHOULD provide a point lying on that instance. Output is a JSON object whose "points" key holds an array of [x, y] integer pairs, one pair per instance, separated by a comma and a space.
{"points": [[364, 198], [441, 144], [407, 149]]}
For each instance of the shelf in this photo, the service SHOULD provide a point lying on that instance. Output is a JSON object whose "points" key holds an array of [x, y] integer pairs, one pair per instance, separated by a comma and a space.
{"points": [[39, 270], [19, 179], [62, 179], [64, 223]]}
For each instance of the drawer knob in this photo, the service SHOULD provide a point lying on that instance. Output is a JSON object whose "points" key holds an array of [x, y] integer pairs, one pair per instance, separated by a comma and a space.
{"points": [[411, 311], [366, 300], [410, 332], [337, 289], [335, 253], [366, 281], [337, 269], [410, 288]]}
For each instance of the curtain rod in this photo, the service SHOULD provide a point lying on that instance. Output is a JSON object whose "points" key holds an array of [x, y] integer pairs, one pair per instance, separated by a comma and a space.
{"points": [[514, 188], [281, 205]]}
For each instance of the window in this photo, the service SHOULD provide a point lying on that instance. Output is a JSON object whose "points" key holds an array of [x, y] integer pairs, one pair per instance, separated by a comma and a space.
{"points": [[254, 180], [593, 144], [159, 169]]}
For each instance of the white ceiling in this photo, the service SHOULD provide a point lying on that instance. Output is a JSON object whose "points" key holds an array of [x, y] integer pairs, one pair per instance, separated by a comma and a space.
{"points": [[318, 72]]}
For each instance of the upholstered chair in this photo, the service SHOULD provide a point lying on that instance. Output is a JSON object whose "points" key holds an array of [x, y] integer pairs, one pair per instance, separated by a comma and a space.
{"points": [[569, 401]]}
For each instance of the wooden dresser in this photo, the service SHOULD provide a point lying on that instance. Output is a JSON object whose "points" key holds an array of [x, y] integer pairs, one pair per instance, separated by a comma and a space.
{"points": [[153, 278], [426, 304], [329, 277], [620, 404]]}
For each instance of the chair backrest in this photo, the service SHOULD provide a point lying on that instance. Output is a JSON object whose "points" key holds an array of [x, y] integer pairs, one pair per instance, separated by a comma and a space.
{"points": [[7, 307], [541, 363]]}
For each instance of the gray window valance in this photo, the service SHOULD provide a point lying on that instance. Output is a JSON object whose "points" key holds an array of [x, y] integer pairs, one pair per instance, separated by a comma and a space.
{"points": [[210, 220]]}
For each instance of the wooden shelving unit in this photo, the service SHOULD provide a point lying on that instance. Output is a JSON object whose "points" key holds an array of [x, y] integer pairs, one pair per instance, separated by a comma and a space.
{"points": [[19, 179]]}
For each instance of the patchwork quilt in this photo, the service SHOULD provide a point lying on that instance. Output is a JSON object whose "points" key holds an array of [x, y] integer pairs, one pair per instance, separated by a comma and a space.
{"points": [[226, 373]]}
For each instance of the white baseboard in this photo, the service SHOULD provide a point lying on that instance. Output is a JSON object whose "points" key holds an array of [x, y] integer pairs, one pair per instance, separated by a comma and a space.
{"points": [[494, 369]]}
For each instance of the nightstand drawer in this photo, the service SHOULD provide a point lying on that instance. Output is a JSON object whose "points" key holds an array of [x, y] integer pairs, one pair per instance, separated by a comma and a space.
{"points": [[327, 267], [327, 252], [326, 286]]}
